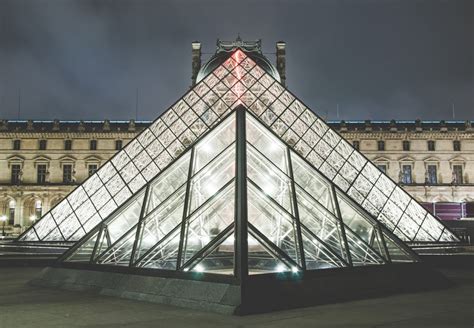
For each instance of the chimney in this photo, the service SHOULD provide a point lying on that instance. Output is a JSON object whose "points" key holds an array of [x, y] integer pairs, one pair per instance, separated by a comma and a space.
{"points": [[196, 64], [281, 61]]}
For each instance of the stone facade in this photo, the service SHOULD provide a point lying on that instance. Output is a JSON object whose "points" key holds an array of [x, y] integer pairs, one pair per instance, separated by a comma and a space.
{"points": [[35, 175]]}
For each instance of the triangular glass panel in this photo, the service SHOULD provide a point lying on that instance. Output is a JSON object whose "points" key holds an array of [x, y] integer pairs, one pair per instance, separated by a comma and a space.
{"points": [[208, 221], [120, 252], [217, 256], [121, 222], [320, 222], [397, 253], [160, 221], [164, 254], [317, 255], [273, 222], [361, 253], [261, 260], [84, 252]]}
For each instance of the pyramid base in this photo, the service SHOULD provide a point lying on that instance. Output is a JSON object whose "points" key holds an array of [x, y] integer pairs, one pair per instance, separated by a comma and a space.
{"points": [[261, 293]]}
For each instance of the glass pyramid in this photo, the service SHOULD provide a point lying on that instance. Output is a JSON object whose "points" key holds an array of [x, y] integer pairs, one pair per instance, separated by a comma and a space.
{"points": [[240, 195], [240, 81]]}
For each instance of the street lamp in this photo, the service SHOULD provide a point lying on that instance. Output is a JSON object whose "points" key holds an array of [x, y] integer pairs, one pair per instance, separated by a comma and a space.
{"points": [[3, 219]]}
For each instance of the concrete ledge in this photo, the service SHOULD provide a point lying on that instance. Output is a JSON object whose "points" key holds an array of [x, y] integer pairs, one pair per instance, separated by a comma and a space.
{"points": [[200, 295]]}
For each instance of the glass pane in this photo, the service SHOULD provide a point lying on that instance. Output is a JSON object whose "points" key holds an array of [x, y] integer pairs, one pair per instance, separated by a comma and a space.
{"points": [[220, 260], [120, 253], [164, 255], [321, 223], [260, 260], [214, 143], [266, 143], [316, 254], [84, 252], [361, 253], [211, 178], [161, 221], [312, 182], [273, 222], [397, 254], [169, 181], [208, 222], [125, 219], [269, 178], [354, 219]]}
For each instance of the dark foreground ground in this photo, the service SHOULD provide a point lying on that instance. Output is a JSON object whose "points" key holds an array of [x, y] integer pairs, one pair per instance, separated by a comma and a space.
{"points": [[25, 306]]}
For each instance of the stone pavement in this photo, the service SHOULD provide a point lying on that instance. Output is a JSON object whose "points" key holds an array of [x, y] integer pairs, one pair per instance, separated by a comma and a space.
{"points": [[25, 306]]}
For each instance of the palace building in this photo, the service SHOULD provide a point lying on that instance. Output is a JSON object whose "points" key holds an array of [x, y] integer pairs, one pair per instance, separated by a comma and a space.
{"points": [[42, 161]]}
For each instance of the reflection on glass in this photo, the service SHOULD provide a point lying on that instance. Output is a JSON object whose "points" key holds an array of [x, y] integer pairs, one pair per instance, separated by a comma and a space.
{"points": [[167, 182], [260, 260], [269, 178], [214, 143], [273, 222], [208, 222], [354, 219], [311, 181], [125, 219], [266, 143], [211, 178], [220, 260]]}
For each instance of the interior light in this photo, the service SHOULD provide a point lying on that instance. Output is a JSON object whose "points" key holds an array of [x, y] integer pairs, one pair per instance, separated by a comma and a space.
{"points": [[33, 218], [268, 188], [294, 269], [206, 147], [280, 268], [3, 218], [199, 268], [210, 188]]}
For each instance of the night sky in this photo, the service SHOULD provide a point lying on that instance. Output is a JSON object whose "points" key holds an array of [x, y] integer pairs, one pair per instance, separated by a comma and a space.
{"points": [[377, 59]]}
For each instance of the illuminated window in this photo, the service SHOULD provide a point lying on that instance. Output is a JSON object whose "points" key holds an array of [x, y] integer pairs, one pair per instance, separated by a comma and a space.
{"points": [[118, 144]]}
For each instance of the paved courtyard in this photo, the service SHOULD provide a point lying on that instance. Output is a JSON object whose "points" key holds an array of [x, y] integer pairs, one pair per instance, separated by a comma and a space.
{"points": [[24, 306]]}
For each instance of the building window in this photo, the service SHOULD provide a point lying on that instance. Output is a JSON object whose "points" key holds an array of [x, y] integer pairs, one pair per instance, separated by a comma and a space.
{"points": [[457, 174], [457, 145], [11, 212], [41, 173], [432, 174], [118, 144], [67, 144], [382, 167], [38, 209], [42, 144], [92, 168], [406, 145], [356, 144], [16, 144], [431, 145], [93, 145], [380, 145], [67, 173], [16, 174], [406, 174]]}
